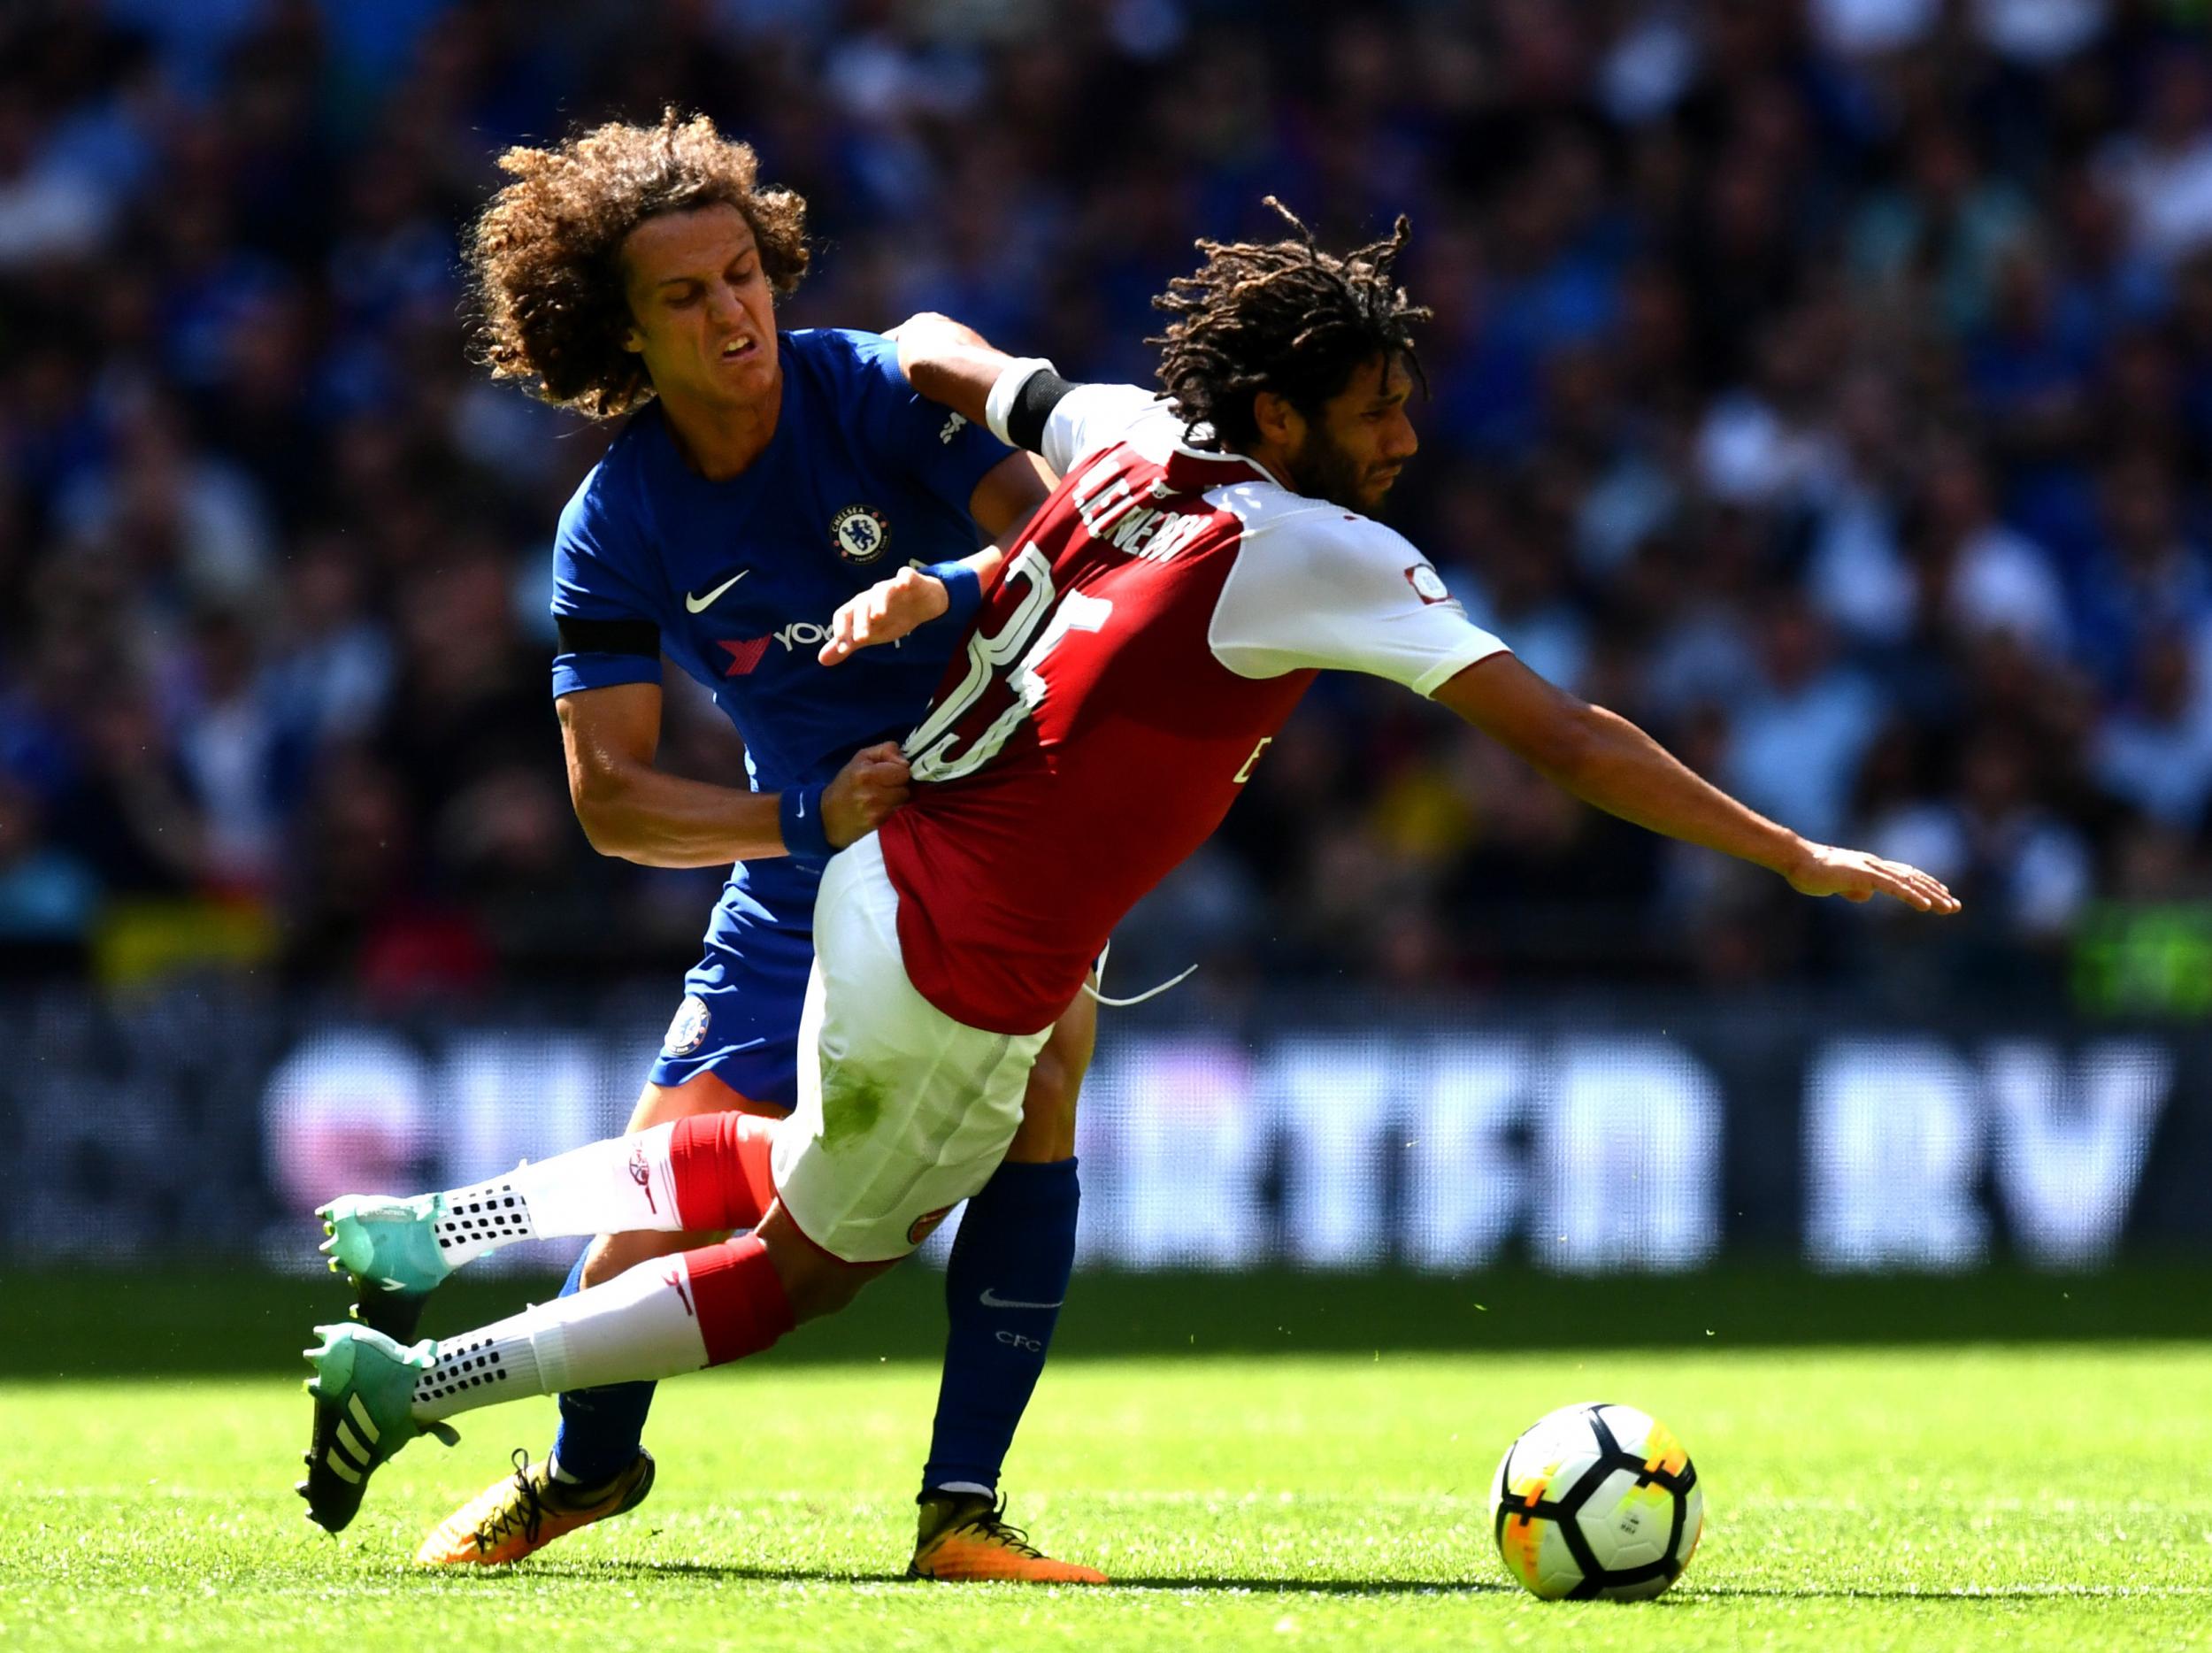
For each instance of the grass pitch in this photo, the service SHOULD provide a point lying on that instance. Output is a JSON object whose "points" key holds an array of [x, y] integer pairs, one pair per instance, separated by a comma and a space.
{"points": [[2052, 1497]]}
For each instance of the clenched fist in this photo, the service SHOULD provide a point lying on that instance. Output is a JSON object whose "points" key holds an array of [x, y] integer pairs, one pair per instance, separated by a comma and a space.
{"points": [[869, 786]]}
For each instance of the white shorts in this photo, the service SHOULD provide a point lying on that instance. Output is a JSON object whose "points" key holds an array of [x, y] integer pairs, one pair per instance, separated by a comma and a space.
{"points": [[902, 1112]]}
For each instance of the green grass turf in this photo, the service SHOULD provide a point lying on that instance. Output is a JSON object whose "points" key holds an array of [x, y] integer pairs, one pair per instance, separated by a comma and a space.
{"points": [[123, 1323], [2036, 1497]]}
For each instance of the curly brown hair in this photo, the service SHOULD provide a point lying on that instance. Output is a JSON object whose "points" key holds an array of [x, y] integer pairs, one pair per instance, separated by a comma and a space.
{"points": [[1282, 316], [544, 259]]}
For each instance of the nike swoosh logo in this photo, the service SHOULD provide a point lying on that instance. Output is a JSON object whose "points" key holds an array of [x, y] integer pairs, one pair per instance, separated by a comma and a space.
{"points": [[700, 605], [992, 1299]]}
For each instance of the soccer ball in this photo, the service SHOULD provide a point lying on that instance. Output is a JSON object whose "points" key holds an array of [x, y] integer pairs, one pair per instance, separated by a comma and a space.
{"points": [[1596, 1501]]}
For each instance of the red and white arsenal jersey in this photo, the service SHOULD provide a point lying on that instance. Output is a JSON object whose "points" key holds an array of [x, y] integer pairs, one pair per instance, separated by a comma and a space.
{"points": [[1165, 610]]}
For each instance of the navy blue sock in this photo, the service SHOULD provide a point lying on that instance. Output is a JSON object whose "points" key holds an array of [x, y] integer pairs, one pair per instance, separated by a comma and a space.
{"points": [[1003, 1287], [601, 1429]]}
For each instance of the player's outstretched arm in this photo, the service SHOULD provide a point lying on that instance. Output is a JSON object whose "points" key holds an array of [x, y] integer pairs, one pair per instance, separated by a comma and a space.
{"points": [[1011, 396], [956, 368], [630, 809], [949, 362], [1605, 760]]}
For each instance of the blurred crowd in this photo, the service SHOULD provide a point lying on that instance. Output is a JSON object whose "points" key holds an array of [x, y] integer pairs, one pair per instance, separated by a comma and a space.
{"points": [[1826, 385]]}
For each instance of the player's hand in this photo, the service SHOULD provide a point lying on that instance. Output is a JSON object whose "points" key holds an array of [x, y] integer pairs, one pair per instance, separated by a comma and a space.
{"points": [[1856, 875], [873, 783], [885, 612]]}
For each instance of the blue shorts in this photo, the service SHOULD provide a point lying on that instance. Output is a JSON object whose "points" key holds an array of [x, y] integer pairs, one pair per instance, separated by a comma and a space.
{"points": [[739, 1017]]}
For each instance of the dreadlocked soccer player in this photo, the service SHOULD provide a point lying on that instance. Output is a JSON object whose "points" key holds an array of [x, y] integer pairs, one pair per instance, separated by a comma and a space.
{"points": [[761, 481], [1205, 554]]}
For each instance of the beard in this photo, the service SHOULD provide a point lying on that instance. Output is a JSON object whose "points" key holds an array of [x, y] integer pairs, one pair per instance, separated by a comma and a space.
{"points": [[1323, 470]]}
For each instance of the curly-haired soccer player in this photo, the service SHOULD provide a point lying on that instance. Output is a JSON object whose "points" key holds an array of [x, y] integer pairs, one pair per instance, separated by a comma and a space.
{"points": [[1206, 553], [761, 481]]}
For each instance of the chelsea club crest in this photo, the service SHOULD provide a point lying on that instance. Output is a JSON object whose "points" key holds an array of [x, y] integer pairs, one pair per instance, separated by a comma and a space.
{"points": [[861, 533], [688, 1030]]}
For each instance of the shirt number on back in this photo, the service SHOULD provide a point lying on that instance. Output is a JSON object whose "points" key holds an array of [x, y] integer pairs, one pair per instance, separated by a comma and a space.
{"points": [[1031, 631]]}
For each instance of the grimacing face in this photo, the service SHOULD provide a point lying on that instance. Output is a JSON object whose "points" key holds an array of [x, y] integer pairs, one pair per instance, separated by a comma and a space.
{"points": [[702, 315], [1352, 452]]}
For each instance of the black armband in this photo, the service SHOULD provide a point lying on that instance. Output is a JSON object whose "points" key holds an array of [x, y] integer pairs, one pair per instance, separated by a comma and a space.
{"points": [[608, 637], [1033, 403]]}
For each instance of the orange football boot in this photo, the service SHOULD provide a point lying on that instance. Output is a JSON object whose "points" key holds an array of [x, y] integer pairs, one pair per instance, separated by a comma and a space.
{"points": [[511, 1519], [964, 1536]]}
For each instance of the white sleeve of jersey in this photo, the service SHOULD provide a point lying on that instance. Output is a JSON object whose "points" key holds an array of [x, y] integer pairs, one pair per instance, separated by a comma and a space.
{"points": [[1092, 417], [1321, 588]]}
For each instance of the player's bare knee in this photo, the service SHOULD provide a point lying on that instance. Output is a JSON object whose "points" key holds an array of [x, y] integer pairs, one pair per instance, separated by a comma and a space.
{"points": [[821, 1286], [814, 1282], [1047, 1132], [834, 1289]]}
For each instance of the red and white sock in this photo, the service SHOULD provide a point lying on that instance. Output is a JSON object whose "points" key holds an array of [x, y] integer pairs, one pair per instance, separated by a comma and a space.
{"points": [[710, 1171], [660, 1319]]}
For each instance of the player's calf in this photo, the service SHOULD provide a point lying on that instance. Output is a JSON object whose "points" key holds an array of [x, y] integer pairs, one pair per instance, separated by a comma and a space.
{"points": [[601, 1431], [1008, 1273], [408, 1246], [372, 1396]]}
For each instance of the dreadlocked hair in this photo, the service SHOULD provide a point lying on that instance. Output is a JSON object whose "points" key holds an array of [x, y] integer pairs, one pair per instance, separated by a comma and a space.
{"points": [[1281, 316]]}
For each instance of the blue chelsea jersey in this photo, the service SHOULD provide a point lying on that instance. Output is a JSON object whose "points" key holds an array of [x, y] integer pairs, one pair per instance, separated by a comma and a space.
{"points": [[740, 578]]}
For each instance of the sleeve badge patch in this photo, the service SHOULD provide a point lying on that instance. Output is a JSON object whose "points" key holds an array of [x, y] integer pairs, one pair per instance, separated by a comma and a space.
{"points": [[1427, 584]]}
